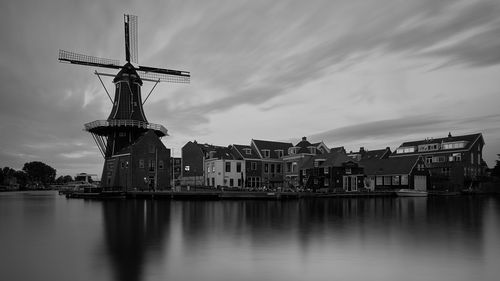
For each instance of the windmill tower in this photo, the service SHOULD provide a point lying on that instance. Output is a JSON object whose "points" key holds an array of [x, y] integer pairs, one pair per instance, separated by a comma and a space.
{"points": [[134, 155]]}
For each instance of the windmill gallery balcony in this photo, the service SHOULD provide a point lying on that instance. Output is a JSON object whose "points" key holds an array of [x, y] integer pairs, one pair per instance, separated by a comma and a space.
{"points": [[102, 126]]}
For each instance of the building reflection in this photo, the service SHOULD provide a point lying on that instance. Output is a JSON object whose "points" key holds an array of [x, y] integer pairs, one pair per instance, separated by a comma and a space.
{"points": [[134, 231]]}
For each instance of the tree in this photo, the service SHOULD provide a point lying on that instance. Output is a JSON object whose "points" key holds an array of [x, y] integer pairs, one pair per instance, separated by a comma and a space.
{"points": [[496, 170], [21, 179], [40, 172]]}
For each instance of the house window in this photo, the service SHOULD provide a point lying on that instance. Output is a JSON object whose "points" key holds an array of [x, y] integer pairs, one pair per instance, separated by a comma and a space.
{"points": [[325, 170], [326, 182], [231, 182], [395, 180], [238, 167], [315, 181], [266, 153], [208, 169], [213, 167], [254, 166], [428, 159], [151, 164], [141, 163], [348, 171], [379, 180], [213, 181], [457, 157], [186, 168], [404, 179], [294, 167], [304, 172], [312, 150], [266, 168], [279, 153], [387, 180], [228, 167], [239, 182], [278, 168], [160, 164], [248, 151]]}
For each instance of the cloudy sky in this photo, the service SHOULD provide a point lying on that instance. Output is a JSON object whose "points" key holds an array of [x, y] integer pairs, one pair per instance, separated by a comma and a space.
{"points": [[350, 73]]}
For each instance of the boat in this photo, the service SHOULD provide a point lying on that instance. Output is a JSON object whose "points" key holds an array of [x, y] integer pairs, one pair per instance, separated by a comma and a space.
{"points": [[411, 193], [83, 183]]}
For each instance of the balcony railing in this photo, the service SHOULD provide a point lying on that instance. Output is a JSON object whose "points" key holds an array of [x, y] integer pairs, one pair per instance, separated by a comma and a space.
{"points": [[125, 123]]}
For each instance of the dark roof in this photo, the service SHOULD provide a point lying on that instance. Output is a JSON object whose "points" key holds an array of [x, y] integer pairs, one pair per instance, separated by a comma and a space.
{"points": [[375, 154], [241, 149], [272, 146], [469, 138], [332, 159], [389, 166], [221, 152]]}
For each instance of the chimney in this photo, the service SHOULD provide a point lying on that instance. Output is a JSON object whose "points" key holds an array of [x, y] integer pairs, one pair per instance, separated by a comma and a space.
{"points": [[449, 134], [362, 149], [304, 138]]}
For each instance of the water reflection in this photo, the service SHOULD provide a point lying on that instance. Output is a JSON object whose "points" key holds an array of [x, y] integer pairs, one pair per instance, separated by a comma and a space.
{"points": [[133, 235], [321, 239]]}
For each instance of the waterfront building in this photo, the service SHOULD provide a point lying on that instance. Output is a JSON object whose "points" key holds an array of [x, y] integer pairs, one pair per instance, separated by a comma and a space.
{"points": [[454, 162], [141, 165], [334, 171], [224, 168], [253, 164], [396, 173], [297, 156], [193, 163], [271, 154]]}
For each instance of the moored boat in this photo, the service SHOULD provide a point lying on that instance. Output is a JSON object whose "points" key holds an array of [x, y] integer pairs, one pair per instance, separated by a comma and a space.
{"points": [[411, 193]]}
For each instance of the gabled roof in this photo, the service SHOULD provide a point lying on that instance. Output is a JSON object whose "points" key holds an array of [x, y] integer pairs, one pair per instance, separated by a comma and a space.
{"points": [[332, 159], [389, 166], [241, 150], [272, 146]]}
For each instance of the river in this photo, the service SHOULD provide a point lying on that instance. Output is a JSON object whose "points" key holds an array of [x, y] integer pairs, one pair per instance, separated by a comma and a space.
{"points": [[44, 236]]}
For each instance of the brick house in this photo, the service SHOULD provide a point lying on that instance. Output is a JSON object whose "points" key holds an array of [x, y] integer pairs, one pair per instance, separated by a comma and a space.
{"points": [[297, 156], [333, 171], [455, 162], [141, 165], [253, 164], [193, 163], [271, 154]]}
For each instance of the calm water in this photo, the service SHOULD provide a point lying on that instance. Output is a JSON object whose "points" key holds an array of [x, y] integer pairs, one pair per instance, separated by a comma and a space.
{"points": [[44, 236]]}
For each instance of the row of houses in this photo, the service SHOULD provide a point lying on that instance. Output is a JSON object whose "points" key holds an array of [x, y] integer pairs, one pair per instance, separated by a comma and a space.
{"points": [[449, 163]]}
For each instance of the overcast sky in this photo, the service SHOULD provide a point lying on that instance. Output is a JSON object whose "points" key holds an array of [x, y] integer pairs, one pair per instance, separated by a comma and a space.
{"points": [[349, 73]]}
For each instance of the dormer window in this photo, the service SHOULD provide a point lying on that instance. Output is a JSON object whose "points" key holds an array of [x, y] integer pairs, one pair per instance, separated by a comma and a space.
{"points": [[266, 153], [247, 151], [279, 153], [211, 154], [292, 150]]}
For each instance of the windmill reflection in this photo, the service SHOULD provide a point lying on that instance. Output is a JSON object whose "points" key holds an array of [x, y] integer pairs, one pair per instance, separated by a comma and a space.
{"points": [[134, 231]]}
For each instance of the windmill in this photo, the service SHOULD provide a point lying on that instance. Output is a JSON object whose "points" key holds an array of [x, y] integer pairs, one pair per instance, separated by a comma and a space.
{"points": [[126, 130]]}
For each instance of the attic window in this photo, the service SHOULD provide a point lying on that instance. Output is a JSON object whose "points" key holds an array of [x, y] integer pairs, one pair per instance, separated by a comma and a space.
{"points": [[248, 151], [266, 153], [279, 152]]}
